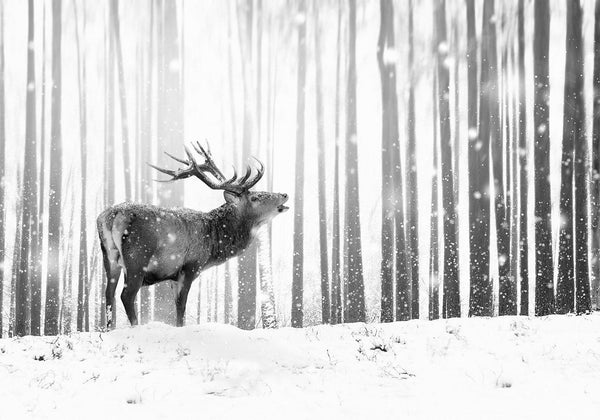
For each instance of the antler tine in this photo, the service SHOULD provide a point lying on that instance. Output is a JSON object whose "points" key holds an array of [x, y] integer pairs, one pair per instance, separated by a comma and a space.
{"points": [[174, 174], [204, 170], [258, 176], [243, 179], [210, 163], [185, 162]]}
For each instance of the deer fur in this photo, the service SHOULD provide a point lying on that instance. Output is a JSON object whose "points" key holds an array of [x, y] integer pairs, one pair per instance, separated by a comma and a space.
{"points": [[153, 244]]}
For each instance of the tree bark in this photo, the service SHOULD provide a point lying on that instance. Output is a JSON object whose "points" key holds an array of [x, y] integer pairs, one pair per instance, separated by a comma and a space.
{"points": [[170, 129], [336, 283], [434, 253], [479, 180], [499, 153], [595, 184], [29, 192], [524, 180], [544, 283], [2, 167], [386, 71], [298, 257], [412, 191], [324, 262], [116, 31], [574, 101], [82, 289], [565, 286], [451, 297], [109, 139], [247, 263], [356, 287]]}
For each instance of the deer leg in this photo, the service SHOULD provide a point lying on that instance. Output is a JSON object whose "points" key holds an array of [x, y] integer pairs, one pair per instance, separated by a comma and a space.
{"points": [[184, 282], [113, 272], [133, 282]]}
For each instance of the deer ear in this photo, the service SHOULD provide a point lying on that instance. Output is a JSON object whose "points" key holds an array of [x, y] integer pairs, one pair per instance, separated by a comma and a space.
{"points": [[230, 198]]}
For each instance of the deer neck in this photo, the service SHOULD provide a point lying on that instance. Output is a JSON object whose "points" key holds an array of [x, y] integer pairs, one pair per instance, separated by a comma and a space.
{"points": [[230, 233]]}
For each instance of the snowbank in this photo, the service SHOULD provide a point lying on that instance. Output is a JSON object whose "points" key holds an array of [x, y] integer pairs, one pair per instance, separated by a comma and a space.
{"points": [[461, 368]]}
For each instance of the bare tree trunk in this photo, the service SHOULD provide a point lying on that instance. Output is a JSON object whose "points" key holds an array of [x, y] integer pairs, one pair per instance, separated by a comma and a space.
{"points": [[479, 180], [325, 298], [298, 257], [29, 192], [491, 94], [38, 244], [82, 290], [247, 262], [228, 297], [524, 181], [387, 180], [434, 253], [2, 166], [575, 114], [146, 132], [267, 303], [544, 283], [412, 189], [15, 258], [170, 129], [336, 292], [116, 31], [66, 312], [595, 193], [565, 286], [356, 287], [451, 297], [109, 141]]}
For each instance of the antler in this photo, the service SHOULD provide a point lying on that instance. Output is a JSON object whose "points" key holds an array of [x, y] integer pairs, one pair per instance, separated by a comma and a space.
{"points": [[201, 171]]}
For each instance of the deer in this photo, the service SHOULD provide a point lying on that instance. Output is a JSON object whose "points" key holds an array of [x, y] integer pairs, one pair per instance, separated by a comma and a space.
{"points": [[151, 244]]}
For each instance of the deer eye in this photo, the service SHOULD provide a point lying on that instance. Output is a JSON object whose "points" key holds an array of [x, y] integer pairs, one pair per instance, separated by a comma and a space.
{"points": [[253, 199]]}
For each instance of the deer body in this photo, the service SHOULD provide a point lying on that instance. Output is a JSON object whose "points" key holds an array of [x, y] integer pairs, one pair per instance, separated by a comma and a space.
{"points": [[152, 244]]}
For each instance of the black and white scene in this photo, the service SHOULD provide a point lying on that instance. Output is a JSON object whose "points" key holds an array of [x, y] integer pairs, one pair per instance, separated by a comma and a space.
{"points": [[299, 209]]}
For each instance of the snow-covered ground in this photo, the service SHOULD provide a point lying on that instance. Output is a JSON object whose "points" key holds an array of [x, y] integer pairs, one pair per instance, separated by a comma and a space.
{"points": [[510, 367]]}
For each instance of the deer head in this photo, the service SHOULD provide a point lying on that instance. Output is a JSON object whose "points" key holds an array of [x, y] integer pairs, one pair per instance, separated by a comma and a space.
{"points": [[258, 207]]}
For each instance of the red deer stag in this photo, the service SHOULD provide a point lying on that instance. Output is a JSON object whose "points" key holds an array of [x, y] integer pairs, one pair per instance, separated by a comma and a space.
{"points": [[152, 244]]}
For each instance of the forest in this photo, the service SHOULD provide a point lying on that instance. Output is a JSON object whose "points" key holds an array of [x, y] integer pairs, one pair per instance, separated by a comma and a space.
{"points": [[442, 157]]}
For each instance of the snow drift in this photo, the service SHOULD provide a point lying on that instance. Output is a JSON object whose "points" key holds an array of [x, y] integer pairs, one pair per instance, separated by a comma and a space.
{"points": [[460, 368]]}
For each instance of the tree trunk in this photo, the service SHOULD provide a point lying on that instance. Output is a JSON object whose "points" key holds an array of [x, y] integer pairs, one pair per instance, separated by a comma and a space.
{"points": [[336, 286], [109, 141], [434, 253], [247, 262], [267, 302], [170, 129], [16, 258], [356, 287], [228, 296], [595, 184], [479, 180], [325, 299], [524, 181], [82, 301], [451, 298], [386, 71], [565, 286], [544, 283], [116, 31], [412, 189], [298, 257], [498, 144], [29, 225], [574, 112], [2, 167], [146, 133]]}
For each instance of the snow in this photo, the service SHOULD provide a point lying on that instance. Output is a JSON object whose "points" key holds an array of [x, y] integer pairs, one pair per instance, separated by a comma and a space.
{"points": [[460, 368]]}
